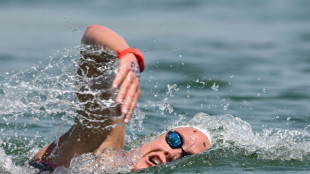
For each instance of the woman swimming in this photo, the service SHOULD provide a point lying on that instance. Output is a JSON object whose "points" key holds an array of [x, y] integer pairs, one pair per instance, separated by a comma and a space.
{"points": [[103, 112]]}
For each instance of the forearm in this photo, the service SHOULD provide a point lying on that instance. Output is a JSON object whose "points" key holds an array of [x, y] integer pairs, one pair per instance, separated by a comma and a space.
{"points": [[95, 91], [99, 117], [103, 36]]}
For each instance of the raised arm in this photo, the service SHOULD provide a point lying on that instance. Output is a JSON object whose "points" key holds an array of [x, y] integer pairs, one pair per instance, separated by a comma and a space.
{"points": [[126, 79], [97, 125]]}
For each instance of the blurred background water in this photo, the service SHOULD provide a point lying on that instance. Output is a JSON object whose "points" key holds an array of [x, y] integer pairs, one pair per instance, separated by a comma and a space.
{"points": [[246, 58]]}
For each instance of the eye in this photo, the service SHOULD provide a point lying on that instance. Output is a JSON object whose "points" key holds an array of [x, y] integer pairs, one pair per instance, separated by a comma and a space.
{"points": [[174, 139]]}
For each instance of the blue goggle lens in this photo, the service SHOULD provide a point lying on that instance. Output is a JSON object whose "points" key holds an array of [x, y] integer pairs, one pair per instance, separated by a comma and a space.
{"points": [[174, 140]]}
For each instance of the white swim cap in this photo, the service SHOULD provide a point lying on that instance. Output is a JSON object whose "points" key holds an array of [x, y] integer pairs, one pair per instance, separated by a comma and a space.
{"points": [[204, 132], [201, 130]]}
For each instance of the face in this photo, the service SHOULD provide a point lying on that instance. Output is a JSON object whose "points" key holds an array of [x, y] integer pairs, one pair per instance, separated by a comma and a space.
{"points": [[158, 151]]}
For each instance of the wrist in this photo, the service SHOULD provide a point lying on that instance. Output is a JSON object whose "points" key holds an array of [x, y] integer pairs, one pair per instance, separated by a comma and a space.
{"points": [[136, 53]]}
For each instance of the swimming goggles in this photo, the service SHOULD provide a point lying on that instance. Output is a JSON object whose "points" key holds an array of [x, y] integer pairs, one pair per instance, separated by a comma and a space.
{"points": [[174, 140]]}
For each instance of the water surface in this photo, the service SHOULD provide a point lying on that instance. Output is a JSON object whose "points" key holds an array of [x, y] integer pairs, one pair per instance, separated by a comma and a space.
{"points": [[244, 63]]}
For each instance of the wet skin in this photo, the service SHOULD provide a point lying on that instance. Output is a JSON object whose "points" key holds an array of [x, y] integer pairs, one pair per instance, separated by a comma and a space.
{"points": [[157, 151]]}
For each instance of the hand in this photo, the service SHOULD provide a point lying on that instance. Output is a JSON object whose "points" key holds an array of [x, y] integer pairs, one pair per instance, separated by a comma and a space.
{"points": [[127, 79]]}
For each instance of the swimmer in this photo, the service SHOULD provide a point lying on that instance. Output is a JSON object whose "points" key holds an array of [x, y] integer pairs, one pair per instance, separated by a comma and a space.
{"points": [[103, 112]]}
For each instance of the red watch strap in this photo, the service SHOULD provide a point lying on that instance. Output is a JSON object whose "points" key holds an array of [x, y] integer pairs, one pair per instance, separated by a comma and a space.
{"points": [[134, 51]]}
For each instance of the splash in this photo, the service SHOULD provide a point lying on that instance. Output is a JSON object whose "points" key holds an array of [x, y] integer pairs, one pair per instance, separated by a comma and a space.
{"points": [[43, 97], [35, 101], [106, 161], [31, 103], [236, 135], [165, 106], [7, 166], [42, 89]]}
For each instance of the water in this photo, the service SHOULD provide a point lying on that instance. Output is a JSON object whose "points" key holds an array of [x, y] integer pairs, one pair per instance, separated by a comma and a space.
{"points": [[244, 63]]}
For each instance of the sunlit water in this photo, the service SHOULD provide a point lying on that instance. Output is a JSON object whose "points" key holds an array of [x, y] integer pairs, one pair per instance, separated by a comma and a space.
{"points": [[240, 69]]}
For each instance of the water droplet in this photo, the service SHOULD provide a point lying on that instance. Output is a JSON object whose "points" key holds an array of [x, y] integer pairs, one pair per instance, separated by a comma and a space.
{"points": [[215, 87], [226, 106]]}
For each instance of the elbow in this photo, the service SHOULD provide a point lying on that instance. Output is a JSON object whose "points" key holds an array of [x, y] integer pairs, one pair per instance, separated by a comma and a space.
{"points": [[91, 33], [96, 27]]}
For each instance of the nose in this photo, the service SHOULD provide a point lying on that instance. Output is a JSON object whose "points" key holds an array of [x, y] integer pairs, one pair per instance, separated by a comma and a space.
{"points": [[172, 154]]}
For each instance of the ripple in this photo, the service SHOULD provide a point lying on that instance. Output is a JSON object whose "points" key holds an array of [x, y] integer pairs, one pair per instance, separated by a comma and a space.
{"points": [[7, 58], [293, 95]]}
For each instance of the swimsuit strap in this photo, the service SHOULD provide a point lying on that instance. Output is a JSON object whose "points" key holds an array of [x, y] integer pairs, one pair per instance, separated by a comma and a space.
{"points": [[42, 165]]}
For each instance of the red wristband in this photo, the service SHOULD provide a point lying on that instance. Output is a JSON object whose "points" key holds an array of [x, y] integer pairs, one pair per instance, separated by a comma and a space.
{"points": [[134, 51]]}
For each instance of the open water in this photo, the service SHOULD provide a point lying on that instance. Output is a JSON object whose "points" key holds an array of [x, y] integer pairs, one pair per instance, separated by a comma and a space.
{"points": [[240, 68]]}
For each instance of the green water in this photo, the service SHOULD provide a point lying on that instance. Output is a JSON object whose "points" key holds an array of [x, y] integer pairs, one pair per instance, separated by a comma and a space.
{"points": [[228, 59]]}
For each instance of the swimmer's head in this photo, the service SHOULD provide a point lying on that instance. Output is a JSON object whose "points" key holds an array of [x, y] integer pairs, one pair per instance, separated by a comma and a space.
{"points": [[173, 145]]}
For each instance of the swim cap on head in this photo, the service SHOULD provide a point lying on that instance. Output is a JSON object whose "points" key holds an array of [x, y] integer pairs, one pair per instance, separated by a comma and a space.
{"points": [[204, 132], [201, 130]]}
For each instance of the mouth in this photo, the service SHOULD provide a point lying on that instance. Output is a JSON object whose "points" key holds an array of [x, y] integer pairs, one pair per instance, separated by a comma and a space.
{"points": [[154, 160]]}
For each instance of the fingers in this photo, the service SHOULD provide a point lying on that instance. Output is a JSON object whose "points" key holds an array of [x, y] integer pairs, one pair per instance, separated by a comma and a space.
{"points": [[131, 100], [127, 80], [132, 107], [124, 89], [120, 76], [128, 91]]}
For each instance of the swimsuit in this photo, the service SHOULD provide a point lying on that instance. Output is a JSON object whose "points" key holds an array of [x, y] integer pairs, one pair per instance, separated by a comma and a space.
{"points": [[42, 166]]}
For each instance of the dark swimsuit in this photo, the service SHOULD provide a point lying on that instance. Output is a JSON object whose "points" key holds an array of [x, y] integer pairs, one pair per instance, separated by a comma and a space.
{"points": [[42, 166]]}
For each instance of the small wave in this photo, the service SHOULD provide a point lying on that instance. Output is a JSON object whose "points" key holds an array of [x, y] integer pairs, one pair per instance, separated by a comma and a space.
{"points": [[7, 166], [229, 132]]}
